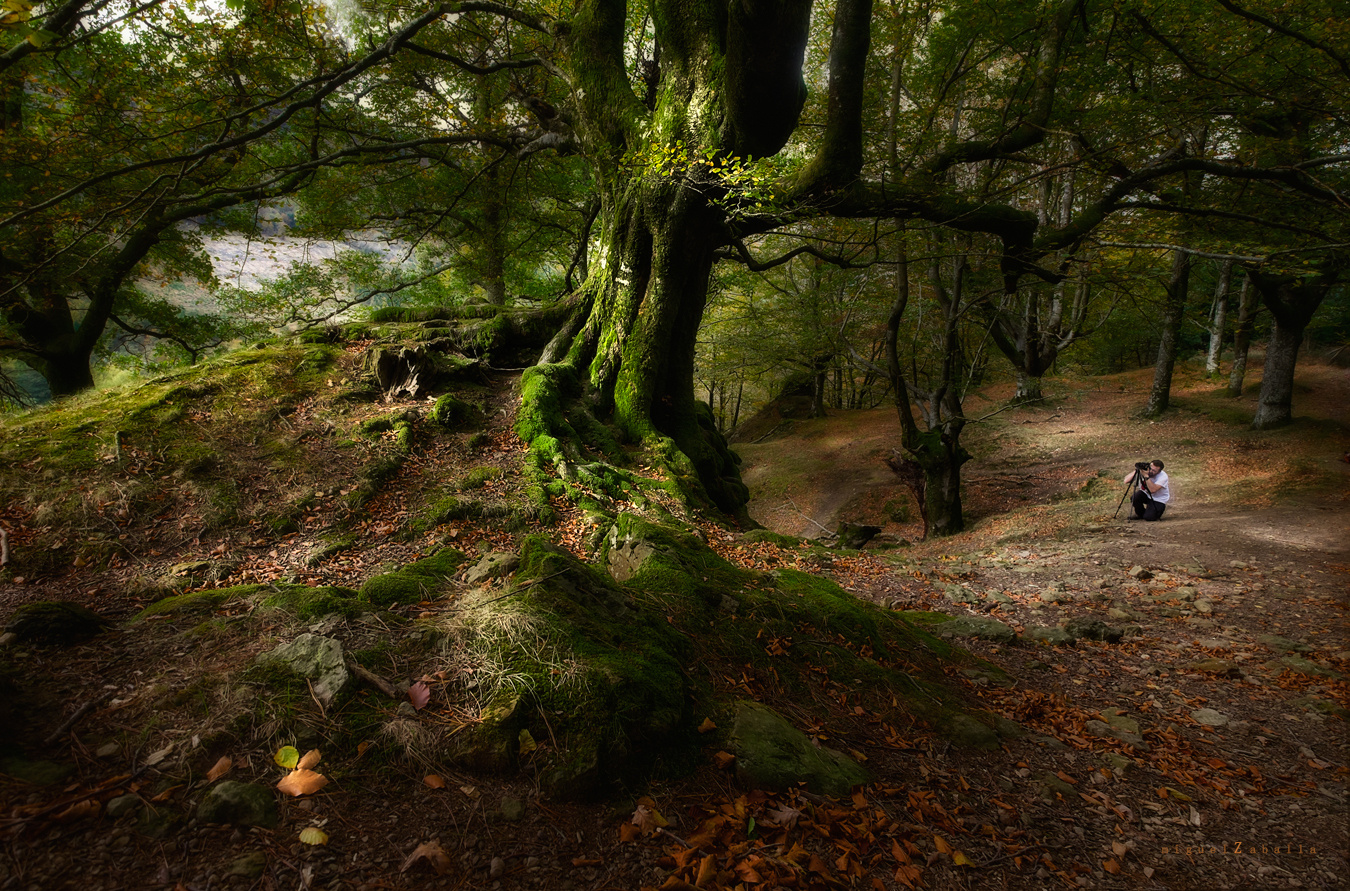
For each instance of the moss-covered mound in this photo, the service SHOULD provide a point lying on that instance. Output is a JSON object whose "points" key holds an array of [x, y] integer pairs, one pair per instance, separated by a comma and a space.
{"points": [[57, 622], [414, 582], [611, 667]]}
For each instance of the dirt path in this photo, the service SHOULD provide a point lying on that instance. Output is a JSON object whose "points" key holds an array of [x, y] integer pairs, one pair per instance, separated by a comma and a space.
{"points": [[1206, 747]]}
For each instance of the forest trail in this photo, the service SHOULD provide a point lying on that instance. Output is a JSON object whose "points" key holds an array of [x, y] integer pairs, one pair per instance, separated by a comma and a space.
{"points": [[1192, 736]]}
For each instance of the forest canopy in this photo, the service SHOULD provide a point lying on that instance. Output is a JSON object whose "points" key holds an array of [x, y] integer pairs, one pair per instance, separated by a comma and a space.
{"points": [[884, 200]]}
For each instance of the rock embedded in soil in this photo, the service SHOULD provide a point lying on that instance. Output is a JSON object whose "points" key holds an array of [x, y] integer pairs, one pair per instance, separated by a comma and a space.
{"points": [[492, 565], [315, 658], [979, 627], [772, 754], [243, 804], [1209, 717]]}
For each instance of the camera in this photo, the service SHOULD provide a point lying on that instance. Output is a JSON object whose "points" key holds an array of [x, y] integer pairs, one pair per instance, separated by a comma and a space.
{"points": [[1141, 465]]}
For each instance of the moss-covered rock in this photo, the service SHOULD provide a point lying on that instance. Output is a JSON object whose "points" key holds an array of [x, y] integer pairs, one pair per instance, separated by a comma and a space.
{"points": [[772, 754], [414, 582], [242, 804], [454, 413], [199, 602], [55, 622], [311, 603], [574, 658]]}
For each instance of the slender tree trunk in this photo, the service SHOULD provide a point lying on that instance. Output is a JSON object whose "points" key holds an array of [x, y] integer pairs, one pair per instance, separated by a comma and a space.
{"points": [[1248, 303], [1218, 319], [1178, 284]]}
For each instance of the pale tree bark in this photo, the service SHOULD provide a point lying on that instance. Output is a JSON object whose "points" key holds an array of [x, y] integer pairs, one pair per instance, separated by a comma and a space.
{"points": [[1249, 303], [1218, 319]]}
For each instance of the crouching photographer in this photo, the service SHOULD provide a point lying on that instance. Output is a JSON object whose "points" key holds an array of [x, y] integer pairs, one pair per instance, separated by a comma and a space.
{"points": [[1151, 495]]}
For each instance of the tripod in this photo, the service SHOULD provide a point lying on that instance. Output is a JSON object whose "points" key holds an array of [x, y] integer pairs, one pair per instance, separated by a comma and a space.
{"points": [[1135, 482]]}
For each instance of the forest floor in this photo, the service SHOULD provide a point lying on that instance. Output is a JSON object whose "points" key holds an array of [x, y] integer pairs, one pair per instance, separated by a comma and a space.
{"points": [[1208, 748]]}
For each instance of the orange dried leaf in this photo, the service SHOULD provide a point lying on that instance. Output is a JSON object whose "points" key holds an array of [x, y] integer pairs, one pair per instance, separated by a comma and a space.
{"points": [[434, 781], [628, 833], [586, 861], [1119, 849], [707, 725], [942, 845], [433, 854], [1111, 866], [220, 768], [302, 782], [79, 810], [310, 760], [723, 760]]}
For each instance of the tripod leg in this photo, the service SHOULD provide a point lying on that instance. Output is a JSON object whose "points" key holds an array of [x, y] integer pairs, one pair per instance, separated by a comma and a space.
{"points": [[1129, 487]]}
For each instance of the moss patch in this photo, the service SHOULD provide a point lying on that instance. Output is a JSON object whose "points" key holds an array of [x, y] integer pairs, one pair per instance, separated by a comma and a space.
{"points": [[414, 582]]}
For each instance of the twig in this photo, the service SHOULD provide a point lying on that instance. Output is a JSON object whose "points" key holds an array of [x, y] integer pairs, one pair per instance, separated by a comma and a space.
{"points": [[511, 593], [803, 513], [315, 697], [4, 547], [661, 830], [370, 678], [75, 718], [772, 432]]}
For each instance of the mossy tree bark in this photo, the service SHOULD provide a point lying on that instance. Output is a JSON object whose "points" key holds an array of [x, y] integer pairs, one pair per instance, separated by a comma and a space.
{"points": [[1249, 303], [1174, 311], [730, 86]]}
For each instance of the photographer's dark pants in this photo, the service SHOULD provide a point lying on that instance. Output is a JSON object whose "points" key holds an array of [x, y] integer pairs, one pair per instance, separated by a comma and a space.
{"points": [[1145, 507]]}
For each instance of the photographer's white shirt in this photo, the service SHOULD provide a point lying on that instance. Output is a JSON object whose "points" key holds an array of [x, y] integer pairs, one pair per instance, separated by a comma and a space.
{"points": [[1160, 479]]}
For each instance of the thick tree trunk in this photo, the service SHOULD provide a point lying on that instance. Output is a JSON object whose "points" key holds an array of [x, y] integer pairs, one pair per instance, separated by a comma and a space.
{"points": [[67, 372], [1028, 387], [1292, 302], [1160, 396], [1248, 303]]}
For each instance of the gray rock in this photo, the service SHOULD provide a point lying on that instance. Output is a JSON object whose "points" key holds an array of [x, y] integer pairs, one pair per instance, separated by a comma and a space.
{"points": [[317, 658], [1054, 596], [959, 594], [1209, 717], [157, 824], [248, 866], [772, 754], [1052, 786], [1103, 730], [979, 627], [1056, 637], [1118, 720], [1140, 573], [1284, 645], [492, 565], [243, 804], [1124, 614], [1185, 593], [1221, 667], [1203, 606], [511, 808], [1092, 629], [1312, 669], [122, 805], [971, 733]]}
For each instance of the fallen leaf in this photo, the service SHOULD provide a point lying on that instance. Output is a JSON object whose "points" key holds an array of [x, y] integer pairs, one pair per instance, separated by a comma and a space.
{"points": [[433, 854], [1120, 849], [222, 767], [527, 743], [167, 793], [419, 694], [783, 816], [707, 725], [313, 835], [960, 859], [78, 810], [586, 861], [1111, 866], [302, 782], [158, 756], [648, 819], [723, 760], [628, 833], [287, 756], [311, 758], [434, 781]]}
